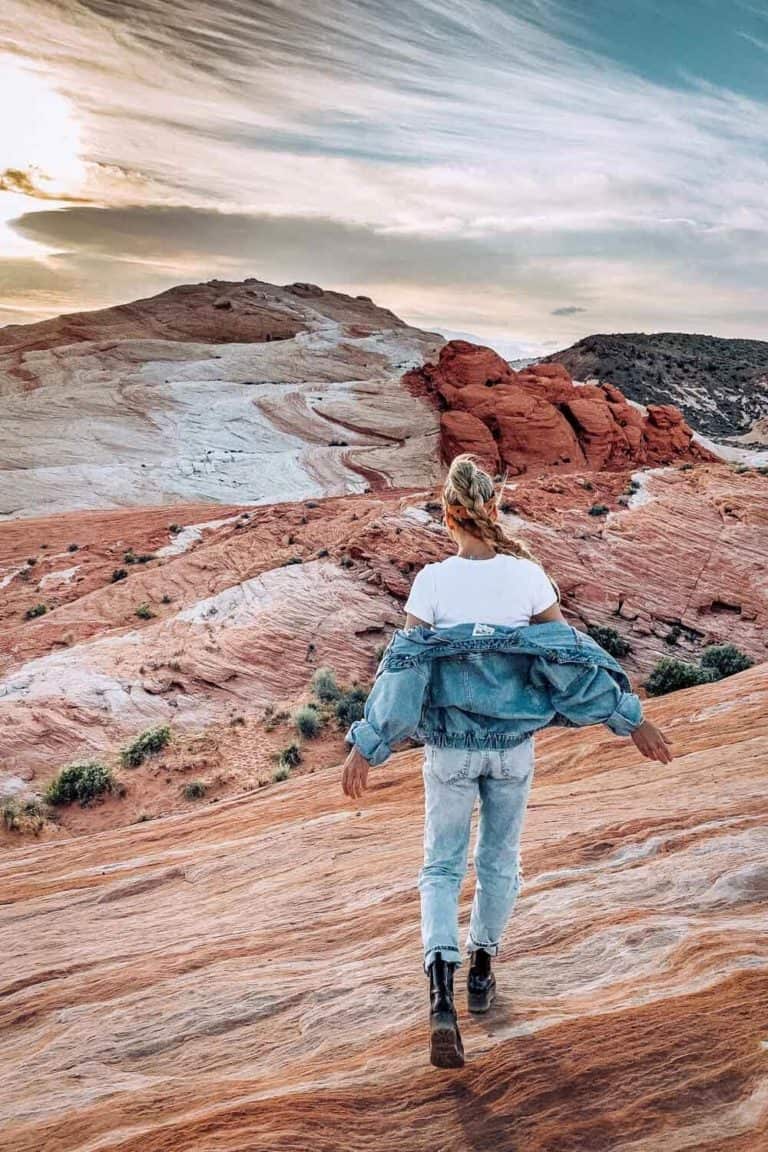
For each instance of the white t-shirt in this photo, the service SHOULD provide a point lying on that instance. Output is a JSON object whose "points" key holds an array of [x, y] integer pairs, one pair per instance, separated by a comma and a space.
{"points": [[501, 590]]}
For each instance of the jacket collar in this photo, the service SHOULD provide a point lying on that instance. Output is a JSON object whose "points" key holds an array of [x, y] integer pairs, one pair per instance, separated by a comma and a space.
{"points": [[555, 641]]}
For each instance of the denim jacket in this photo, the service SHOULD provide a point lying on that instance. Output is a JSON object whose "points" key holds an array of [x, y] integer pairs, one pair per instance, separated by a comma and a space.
{"points": [[489, 686]]}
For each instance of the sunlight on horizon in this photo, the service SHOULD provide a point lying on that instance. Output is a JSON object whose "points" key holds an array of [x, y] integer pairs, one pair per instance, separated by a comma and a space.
{"points": [[42, 141]]}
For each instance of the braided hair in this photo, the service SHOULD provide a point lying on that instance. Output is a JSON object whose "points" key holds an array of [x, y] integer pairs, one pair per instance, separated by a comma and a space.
{"points": [[469, 498]]}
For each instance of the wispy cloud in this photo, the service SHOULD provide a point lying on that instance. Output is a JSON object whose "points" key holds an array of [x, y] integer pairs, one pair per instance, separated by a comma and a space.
{"points": [[478, 131]]}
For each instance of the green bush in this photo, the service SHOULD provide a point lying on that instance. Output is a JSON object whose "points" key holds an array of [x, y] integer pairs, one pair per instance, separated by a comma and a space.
{"points": [[599, 510], [281, 773], [119, 574], [81, 782], [670, 675], [37, 610], [610, 639], [290, 757], [324, 685], [149, 742], [73, 547], [350, 705], [194, 790], [307, 721], [174, 529], [144, 612], [725, 660]]}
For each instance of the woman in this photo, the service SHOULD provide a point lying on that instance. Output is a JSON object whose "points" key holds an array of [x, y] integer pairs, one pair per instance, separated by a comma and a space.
{"points": [[485, 660]]}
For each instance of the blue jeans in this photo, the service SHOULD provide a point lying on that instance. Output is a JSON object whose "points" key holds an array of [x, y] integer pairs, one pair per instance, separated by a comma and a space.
{"points": [[453, 779]]}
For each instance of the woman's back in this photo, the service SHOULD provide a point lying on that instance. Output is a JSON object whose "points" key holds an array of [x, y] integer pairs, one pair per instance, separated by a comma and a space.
{"points": [[503, 589]]}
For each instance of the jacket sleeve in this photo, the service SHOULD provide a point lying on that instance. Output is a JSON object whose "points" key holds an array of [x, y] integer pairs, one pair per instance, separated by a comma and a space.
{"points": [[392, 712], [588, 695]]}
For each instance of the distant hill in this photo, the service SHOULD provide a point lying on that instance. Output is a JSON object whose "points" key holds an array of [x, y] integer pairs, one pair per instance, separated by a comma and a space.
{"points": [[721, 385]]}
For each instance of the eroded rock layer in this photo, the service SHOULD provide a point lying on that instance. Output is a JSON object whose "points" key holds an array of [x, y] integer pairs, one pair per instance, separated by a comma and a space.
{"points": [[250, 976], [220, 614], [216, 393]]}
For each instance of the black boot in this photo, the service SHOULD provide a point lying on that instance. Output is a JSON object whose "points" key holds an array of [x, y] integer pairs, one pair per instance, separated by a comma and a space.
{"points": [[445, 1047], [481, 982]]}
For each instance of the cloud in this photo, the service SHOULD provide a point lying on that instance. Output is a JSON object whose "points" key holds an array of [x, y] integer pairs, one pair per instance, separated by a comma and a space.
{"points": [[568, 310], [371, 145], [28, 184]]}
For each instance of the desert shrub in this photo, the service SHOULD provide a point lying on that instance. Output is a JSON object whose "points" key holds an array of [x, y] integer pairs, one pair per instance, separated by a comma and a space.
{"points": [[80, 782], [632, 487], [346, 561], [142, 818], [165, 599], [289, 757], [281, 773], [149, 742], [174, 529], [725, 660], [350, 705], [307, 721], [324, 685], [194, 790], [599, 510], [272, 718], [587, 485], [433, 506], [686, 468], [673, 635], [73, 547], [36, 610], [119, 574], [25, 816], [610, 639], [670, 675], [10, 813], [291, 560], [144, 612], [323, 552]]}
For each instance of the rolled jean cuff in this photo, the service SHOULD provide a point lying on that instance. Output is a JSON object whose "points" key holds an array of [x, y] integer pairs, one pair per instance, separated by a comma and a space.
{"points": [[450, 955], [491, 949]]}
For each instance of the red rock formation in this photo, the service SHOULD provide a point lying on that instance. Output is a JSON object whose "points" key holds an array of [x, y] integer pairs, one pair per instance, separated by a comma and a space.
{"points": [[540, 419], [463, 432], [249, 977]]}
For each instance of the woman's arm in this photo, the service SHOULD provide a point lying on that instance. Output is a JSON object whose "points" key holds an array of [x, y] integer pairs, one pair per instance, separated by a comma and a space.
{"points": [[549, 615], [414, 622]]}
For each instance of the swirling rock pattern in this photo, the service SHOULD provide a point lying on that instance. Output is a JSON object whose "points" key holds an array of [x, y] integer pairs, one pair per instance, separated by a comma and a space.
{"points": [[249, 976]]}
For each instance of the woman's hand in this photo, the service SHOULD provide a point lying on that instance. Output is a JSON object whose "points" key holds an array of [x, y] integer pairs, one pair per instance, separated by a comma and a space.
{"points": [[651, 742], [354, 778]]}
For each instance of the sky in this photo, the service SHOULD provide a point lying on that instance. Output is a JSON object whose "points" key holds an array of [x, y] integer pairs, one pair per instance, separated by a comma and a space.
{"points": [[527, 172]]}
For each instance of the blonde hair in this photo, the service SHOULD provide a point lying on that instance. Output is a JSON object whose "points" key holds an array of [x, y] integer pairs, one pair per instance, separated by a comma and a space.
{"points": [[469, 498]]}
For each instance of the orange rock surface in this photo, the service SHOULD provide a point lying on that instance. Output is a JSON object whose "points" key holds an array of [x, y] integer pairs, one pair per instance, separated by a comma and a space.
{"points": [[322, 583], [248, 977], [539, 418]]}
